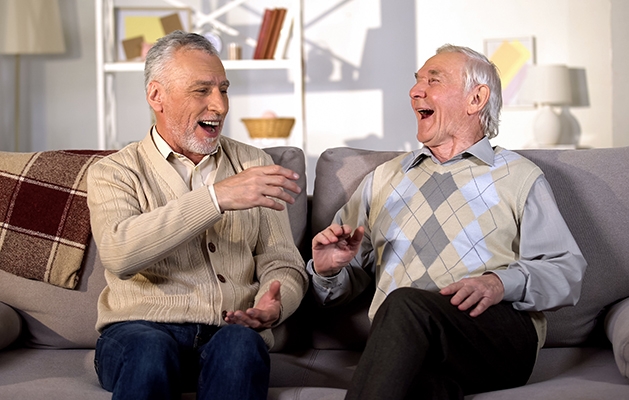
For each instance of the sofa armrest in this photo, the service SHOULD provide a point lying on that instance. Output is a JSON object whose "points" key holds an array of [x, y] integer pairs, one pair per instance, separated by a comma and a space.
{"points": [[10, 325], [617, 330]]}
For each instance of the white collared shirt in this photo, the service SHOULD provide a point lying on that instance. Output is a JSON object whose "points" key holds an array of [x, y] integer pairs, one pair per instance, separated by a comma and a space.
{"points": [[194, 175]]}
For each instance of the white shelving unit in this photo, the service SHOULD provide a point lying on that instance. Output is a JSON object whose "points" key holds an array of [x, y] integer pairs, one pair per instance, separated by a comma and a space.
{"points": [[107, 67]]}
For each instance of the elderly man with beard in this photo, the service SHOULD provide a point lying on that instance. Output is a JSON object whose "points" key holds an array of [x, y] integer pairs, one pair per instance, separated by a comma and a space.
{"points": [[192, 231]]}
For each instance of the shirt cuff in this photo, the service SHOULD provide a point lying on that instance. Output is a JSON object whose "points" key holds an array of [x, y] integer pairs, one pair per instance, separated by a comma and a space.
{"points": [[514, 283], [327, 282], [213, 196]]}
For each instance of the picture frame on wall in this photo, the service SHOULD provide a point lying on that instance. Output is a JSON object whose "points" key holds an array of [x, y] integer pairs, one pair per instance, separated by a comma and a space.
{"points": [[138, 28], [513, 57]]}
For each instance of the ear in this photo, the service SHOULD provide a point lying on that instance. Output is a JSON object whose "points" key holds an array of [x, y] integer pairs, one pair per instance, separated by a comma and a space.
{"points": [[477, 99], [154, 96]]}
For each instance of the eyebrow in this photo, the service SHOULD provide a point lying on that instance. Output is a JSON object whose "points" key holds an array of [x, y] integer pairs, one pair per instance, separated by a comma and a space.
{"points": [[211, 83], [431, 72]]}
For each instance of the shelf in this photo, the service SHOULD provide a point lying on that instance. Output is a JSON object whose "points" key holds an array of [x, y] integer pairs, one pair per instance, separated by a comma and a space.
{"points": [[228, 64], [107, 71]]}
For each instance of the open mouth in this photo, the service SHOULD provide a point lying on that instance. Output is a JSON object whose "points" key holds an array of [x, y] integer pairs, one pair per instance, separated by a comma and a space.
{"points": [[425, 112], [209, 126]]}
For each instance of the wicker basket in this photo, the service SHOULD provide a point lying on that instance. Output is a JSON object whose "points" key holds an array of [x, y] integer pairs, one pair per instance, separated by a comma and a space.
{"points": [[269, 127]]}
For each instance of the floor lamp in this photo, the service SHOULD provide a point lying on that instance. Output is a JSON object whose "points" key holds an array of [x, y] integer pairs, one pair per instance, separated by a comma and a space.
{"points": [[29, 27]]}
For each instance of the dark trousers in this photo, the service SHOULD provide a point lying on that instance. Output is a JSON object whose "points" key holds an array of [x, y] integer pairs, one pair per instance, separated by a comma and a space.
{"points": [[422, 347]]}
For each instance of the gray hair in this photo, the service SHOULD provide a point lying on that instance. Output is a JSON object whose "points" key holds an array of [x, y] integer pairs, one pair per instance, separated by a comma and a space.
{"points": [[163, 50], [480, 71]]}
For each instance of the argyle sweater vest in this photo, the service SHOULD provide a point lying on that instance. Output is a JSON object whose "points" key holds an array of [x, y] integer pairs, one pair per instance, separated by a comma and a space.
{"points": [[431, 225]]}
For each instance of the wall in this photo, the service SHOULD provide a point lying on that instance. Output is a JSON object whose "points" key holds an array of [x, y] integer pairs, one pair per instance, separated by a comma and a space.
{"points": [[360, 60], [620, 78]]}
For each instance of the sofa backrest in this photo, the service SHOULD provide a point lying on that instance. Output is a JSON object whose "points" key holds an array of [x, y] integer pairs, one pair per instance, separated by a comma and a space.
{"points": [[592, 192], [339, 171], [60, 318]]}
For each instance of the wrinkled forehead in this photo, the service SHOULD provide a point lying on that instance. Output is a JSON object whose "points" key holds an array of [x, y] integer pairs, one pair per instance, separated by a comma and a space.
{"points": [[196, 65], [450, 65]]}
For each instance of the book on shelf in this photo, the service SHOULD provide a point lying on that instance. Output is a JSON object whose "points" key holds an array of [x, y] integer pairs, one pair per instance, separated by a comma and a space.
{"points": [[270, 31], [276, 27], [263, 35], [284, 37]]}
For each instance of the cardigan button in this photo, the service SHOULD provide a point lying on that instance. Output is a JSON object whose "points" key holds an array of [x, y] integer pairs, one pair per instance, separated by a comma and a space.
{"points": [[224, 314], [211, 247], [221, 278]]}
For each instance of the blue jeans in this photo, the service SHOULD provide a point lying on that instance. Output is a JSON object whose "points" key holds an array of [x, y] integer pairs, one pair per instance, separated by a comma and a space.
{"points": [[147, 360]]}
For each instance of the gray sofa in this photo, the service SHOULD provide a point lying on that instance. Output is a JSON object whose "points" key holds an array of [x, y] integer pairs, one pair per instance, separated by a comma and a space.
{"points": [[47, 333]]}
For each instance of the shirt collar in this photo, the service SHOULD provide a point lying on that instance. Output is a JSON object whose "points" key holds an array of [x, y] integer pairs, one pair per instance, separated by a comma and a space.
{"points": [[482, 150], [163, 147], [165, 150]]}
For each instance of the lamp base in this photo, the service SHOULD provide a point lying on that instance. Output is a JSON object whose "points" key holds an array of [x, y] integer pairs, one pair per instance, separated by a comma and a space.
{"points": [[547, 126]]}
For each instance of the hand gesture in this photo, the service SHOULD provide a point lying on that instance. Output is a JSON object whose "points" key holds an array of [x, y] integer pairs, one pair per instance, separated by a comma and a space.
{"points": [[334, 247], [265, 313], [257, 186], [483, 291]]}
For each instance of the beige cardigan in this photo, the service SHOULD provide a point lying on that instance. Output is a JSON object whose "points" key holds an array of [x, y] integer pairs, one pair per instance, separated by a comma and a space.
{"points": [[171, 256]]}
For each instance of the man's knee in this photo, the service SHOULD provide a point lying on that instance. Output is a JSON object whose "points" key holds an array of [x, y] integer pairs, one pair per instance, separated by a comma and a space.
{"points": [[241, 344], [414, 300], [235, 358], [140, 338], [149, 353]]}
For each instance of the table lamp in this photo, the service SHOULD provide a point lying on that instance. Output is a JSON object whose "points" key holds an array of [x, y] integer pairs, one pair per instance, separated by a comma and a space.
{"points": [[29, 27], [549, 86]]}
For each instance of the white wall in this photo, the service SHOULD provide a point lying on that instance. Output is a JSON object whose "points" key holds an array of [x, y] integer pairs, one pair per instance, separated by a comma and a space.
{"points": [[620, 77], [360, 60], [566, 32]]}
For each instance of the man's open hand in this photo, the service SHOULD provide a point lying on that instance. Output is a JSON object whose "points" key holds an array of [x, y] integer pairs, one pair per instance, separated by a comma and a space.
{"points": [[263, 315], [257, 187], [334, 247]]}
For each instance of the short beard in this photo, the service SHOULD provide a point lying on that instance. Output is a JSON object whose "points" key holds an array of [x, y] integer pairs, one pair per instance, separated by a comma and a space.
{"points": [[204, 146]]}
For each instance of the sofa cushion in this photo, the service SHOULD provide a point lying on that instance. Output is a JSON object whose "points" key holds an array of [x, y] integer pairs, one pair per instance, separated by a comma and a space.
{"points": [[36, 374], [10, 325], [57, 317], [592, 192], [617, 329], [293, 158], [339, 171]]}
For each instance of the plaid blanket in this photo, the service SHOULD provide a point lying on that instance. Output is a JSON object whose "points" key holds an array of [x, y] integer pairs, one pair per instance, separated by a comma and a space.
{"points": [[44, 219]]}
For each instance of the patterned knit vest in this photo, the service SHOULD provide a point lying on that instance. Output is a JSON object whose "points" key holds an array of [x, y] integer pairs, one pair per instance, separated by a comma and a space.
{"points": [[434, 224]]}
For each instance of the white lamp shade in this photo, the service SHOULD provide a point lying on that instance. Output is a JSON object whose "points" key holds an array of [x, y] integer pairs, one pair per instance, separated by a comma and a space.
{"points": [[548, 84], [30, 27]]}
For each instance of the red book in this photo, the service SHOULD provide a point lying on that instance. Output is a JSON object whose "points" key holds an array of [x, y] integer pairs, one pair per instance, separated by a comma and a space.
{"points": [[276, 27], [263, 35]]}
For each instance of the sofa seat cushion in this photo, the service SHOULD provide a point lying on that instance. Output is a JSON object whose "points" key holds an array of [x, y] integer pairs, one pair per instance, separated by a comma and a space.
{"points": [[317, 368], [568, 373], [560, 373], [37, 374], [617, 329], [54, 317], [10, 325], [306, 393]]}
